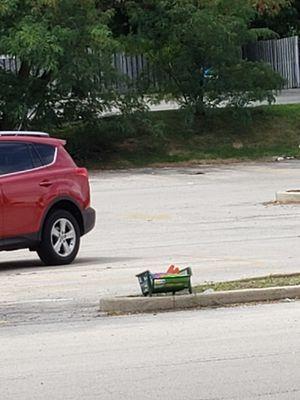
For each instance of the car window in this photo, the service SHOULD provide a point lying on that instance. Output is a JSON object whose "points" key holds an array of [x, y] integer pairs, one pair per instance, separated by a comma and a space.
{"points": [[37, 162], [45, 152], [14, 157]]}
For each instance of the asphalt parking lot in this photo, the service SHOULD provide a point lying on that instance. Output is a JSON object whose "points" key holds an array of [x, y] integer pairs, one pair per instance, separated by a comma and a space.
{"points": [[242, 353], [217, 220]]}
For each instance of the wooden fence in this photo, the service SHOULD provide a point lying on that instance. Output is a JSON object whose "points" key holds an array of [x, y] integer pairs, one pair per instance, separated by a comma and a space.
{"points": [[138, 72], [130, 71], [281, 54], [9, 63]]}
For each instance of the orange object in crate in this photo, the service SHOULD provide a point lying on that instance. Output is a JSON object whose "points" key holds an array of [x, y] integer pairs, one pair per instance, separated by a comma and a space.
{"points": [[173, 270]]}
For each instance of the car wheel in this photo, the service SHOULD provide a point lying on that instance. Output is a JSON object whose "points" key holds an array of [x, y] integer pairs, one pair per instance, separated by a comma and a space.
{"points": [[60, 239]]}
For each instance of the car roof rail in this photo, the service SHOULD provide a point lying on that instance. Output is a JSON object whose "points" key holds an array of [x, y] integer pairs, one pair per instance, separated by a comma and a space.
{"points": [[24, 133]]}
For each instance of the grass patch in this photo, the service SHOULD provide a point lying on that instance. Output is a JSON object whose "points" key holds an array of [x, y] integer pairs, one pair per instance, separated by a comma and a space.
{"points": [[170, 137], [251, 283]]}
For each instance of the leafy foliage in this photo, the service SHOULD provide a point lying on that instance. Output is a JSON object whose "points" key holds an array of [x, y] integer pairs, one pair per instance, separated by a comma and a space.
{"points": [[285, 22], [197, 45], [270, 7], [63, 51]]}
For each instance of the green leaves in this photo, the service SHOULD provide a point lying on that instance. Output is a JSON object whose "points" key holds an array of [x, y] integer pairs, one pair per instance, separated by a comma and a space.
{"points": [[198, 47], [271, 7], [34, 43], [7, 7], [63, 50]]}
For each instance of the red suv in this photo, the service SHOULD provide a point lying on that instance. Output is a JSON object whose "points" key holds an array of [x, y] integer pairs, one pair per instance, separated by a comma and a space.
{"points": [[44, 197]]}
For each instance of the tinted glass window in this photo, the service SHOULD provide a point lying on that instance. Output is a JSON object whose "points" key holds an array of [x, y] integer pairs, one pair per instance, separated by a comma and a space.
{"points": [[45, 152], [14, 157], [37, 162]]}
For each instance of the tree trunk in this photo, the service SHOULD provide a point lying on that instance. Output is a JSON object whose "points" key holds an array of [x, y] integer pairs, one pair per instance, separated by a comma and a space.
{"points": [[199, 106]]}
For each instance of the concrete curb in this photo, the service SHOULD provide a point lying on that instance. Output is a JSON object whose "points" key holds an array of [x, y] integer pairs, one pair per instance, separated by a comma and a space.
{"points": [[134, 305], [289, 196]]}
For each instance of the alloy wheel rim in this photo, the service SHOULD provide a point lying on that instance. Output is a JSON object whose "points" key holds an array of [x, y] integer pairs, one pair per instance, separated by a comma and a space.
{"points": [[63, 237]]}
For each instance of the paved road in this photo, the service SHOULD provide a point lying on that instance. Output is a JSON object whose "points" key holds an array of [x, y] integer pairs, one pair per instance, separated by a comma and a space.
{"points": [[224, 354], [288, 96], [214, 219], [218, 220]]}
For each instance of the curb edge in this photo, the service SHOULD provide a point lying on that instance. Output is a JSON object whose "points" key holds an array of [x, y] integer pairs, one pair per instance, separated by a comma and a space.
{"points": [[141, 305]]}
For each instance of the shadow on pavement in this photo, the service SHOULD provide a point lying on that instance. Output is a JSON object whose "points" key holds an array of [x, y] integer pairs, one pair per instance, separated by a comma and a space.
{"points": [[24, 264]]}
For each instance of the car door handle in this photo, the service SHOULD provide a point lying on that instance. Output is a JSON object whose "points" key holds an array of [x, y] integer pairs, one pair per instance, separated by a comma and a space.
{"points": [[46, 183]]}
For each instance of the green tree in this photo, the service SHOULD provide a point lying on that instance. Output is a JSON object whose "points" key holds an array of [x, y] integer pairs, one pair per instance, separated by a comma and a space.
{"points": [[270, 7], [63, 54], [197, 46], [285, 22]]}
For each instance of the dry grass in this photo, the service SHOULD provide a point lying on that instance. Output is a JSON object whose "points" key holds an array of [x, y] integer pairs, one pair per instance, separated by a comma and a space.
{"points": [[251, 283]]}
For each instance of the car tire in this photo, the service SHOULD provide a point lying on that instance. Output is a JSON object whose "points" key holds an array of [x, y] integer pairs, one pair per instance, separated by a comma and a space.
{"points": [[60, 239]]}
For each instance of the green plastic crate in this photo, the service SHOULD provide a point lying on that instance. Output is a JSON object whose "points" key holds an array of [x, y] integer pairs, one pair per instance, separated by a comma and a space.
{"points": [[151, 283]]}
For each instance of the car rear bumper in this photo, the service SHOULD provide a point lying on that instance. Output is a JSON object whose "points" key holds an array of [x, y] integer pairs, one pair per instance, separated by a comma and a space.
{"points": [[89, 219]]}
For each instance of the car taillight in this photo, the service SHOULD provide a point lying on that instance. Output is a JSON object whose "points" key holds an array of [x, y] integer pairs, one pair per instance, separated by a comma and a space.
{"points": [[82, 172]]}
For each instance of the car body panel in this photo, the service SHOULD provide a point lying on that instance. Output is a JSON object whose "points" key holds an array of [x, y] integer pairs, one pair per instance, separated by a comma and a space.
{"points": [[1, 213], [26, 197]]}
